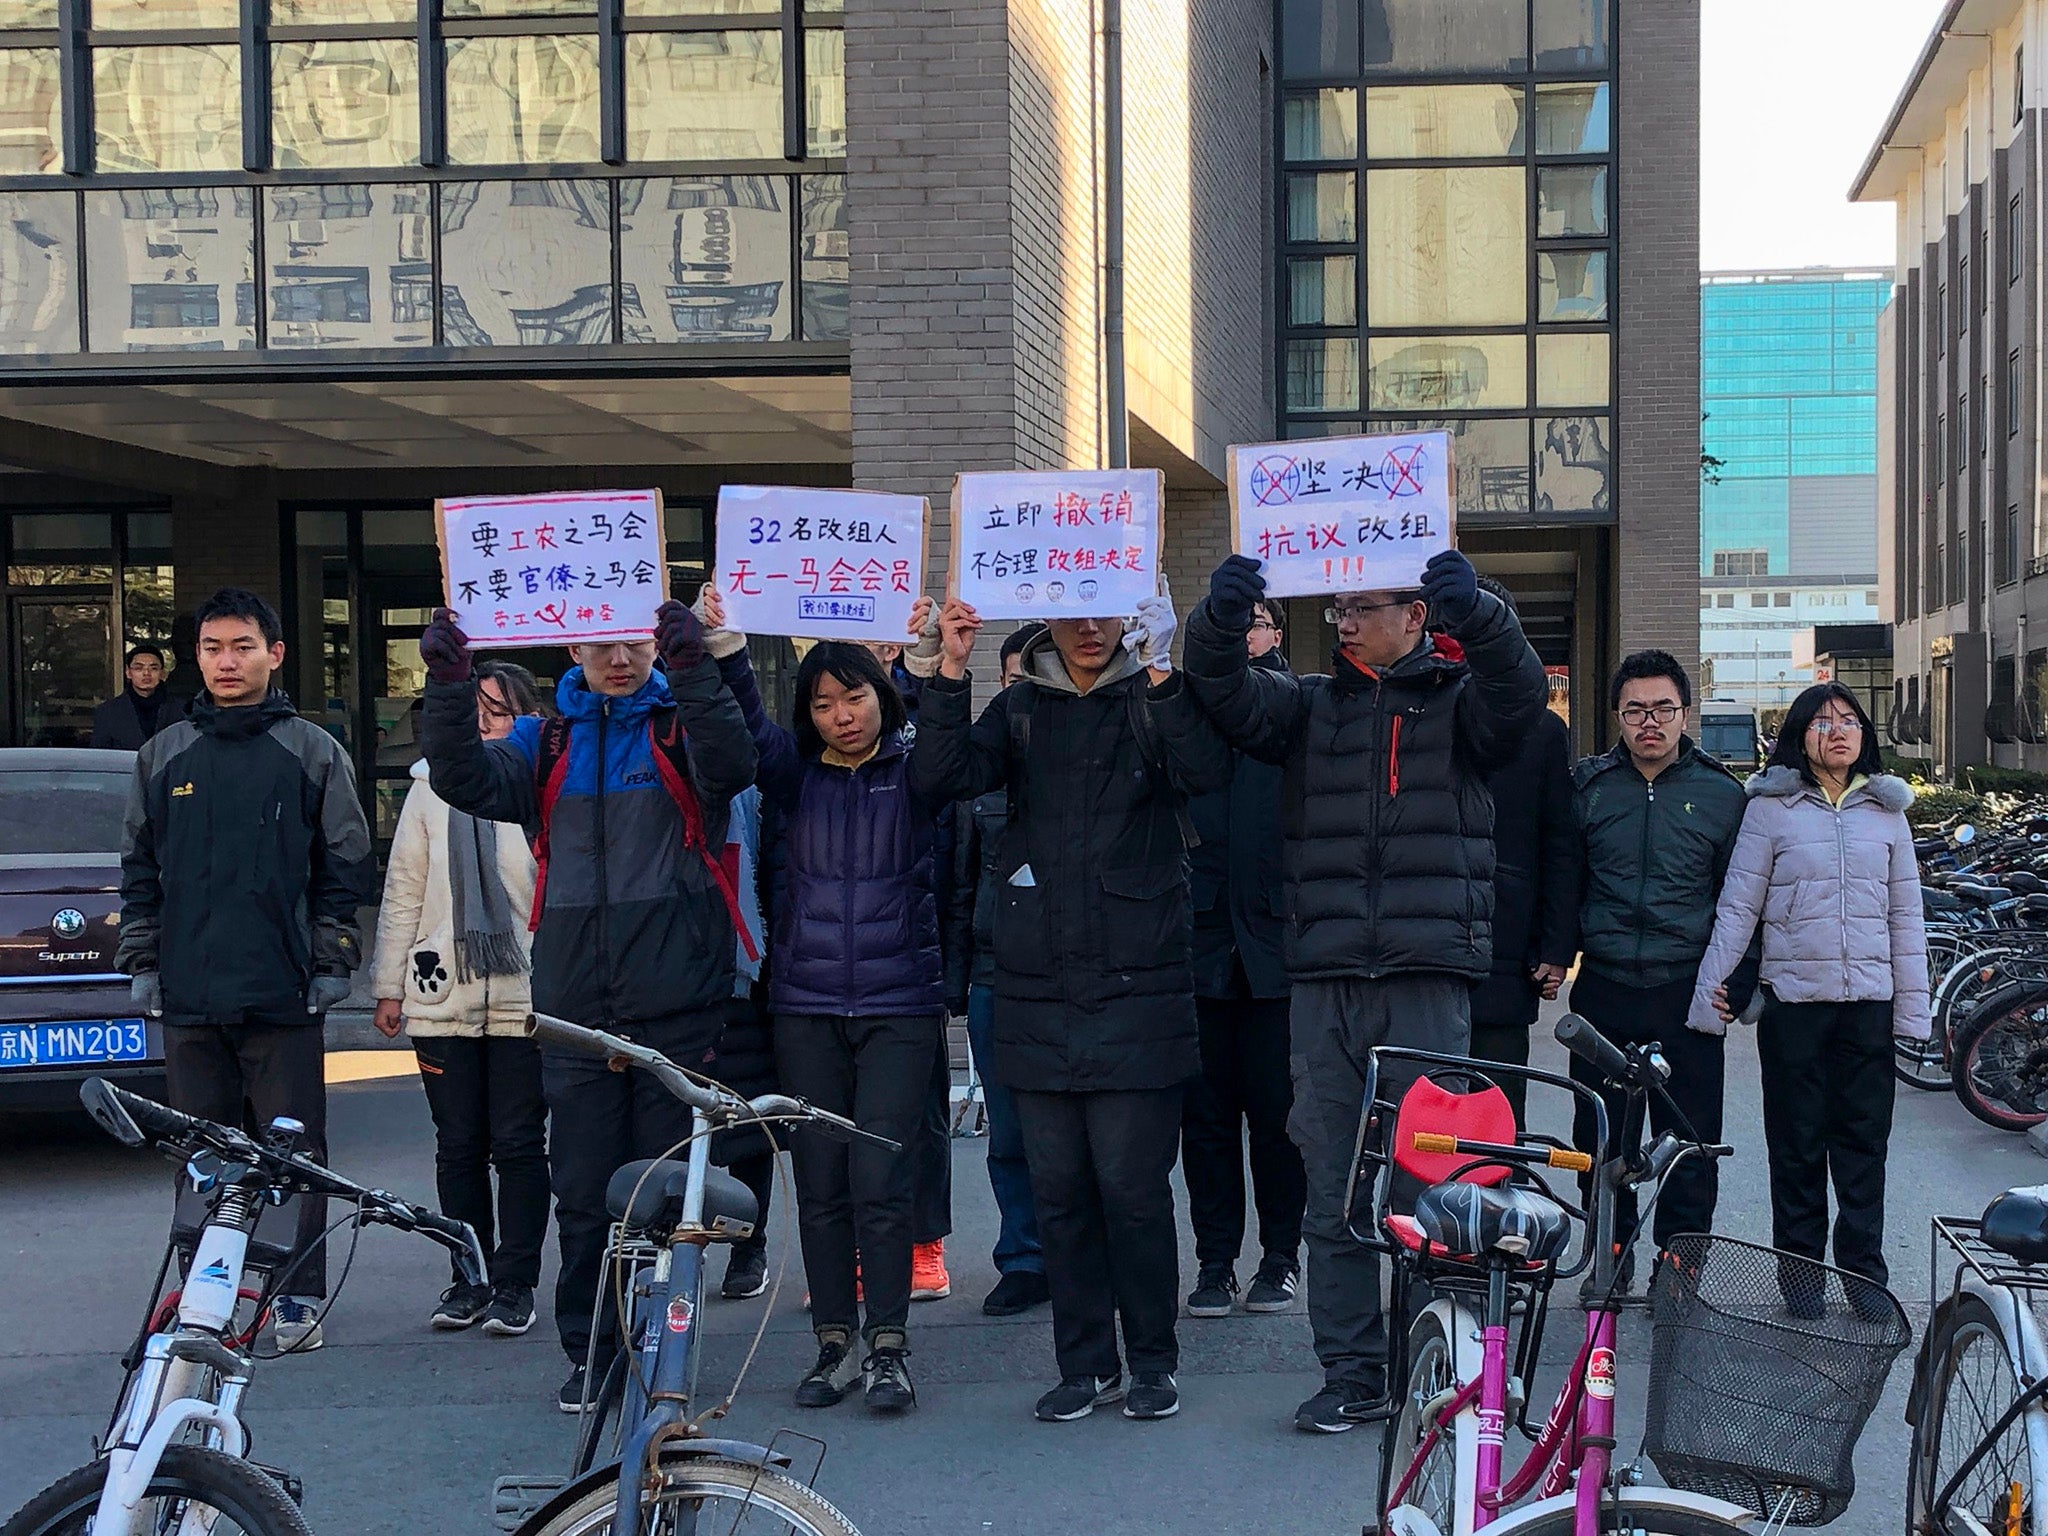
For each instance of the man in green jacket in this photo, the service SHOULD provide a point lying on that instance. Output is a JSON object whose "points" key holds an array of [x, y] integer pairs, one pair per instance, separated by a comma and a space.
{"points": [[1657, 820]]}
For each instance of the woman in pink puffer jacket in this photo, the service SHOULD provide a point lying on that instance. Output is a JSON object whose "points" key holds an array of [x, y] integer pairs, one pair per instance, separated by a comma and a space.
{"points": [[1825, 861]]}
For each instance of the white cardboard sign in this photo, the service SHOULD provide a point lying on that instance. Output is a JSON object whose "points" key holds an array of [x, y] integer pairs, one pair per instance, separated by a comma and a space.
{"points": [[1343, 514], [553, 569], [825, 565], [1071, 544]]}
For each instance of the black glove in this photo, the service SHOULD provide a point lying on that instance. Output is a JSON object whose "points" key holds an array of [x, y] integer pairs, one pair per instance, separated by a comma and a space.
{"points": [[1451, 588], [1233, 589], [678, 636], [445, 649]]}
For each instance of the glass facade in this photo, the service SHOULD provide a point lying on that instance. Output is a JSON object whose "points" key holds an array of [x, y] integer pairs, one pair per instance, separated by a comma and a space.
{"points": [[1446, 243]]}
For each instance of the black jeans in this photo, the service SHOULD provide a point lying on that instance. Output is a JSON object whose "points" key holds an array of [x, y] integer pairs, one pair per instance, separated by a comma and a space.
{"points": [[1632, 1016], [1828, 1089], [757, 1172], [489, 1112], [1245, 1087], [602, 1120], [931, 1151], [854, 1204], [1102, 1178]]}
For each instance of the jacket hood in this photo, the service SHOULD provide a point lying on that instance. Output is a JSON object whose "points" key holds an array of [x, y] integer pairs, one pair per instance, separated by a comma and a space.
{"points": [[1429, 662], [241, 721], [578, 702], [1588, 769], [1042, 664], [1888, 790]]}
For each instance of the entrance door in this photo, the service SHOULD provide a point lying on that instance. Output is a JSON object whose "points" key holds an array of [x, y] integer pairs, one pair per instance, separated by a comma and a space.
{"points": [[64, 665]]}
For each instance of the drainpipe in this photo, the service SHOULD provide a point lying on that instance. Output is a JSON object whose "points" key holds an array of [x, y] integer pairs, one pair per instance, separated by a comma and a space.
{"points": [[1114, 403]]}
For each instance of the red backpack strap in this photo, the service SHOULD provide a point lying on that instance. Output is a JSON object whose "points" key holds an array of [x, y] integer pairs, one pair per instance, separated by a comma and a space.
{"points": [[550, 769], [668, 740]]}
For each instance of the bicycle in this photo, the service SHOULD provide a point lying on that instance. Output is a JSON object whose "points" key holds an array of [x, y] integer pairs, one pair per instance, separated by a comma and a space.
{"points": [[192, 1364], [666, 1476]]}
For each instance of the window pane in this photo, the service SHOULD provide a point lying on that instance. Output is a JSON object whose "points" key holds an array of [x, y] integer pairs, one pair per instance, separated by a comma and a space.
{"points": [[522, 100], [526, 263], [705, 7], [1323, 205], [343, 104], [824, 258], [825, 92], [1572, 370], [1571, 200], [1491, 455], [1573, 464], [121, 15], [349, 266], [173, 269], [824, 7], [456, 8], [1447, 373], [1571, 285], [1571, 120], [1318, 37], [38, 273], [1571, 34], [28, 13], [1322, 290], [1322, 375], [1447, 247], [168, 109], [1298, 430], [1443, 122], [704, 96], [31, 116], [302, 13], [705, 258], [1320, 125], [1417, 37]]}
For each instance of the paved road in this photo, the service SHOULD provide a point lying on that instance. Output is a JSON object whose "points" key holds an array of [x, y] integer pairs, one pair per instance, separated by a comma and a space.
{"points": [[399, 1431]]}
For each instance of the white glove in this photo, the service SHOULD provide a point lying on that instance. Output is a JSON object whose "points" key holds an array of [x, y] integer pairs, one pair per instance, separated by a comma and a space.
{"points": [[719, 642], [1150, 637], [922, 659]]}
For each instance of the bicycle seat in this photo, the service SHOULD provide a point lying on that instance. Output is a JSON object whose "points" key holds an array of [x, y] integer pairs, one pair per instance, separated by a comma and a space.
{"points": [[1972, 894], [2016, 1224], [729, 1207], [2024, 883], [2034, 906], [1466, 1221]]}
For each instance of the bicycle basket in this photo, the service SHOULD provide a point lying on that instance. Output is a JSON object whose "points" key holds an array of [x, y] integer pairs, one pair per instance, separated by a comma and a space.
{"points": [[1764, 1368]]}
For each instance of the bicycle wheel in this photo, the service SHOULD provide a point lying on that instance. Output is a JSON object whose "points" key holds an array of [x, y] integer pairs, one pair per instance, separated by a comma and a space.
{"points": [[1432, 1378], [1970, 1384], [1924, 1064], [190, 1477], [702, 1494], [1641, 1512], [2001, 1058]]}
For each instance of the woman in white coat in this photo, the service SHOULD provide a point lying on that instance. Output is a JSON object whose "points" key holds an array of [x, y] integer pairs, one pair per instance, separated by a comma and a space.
{"points": [[450, 968]]}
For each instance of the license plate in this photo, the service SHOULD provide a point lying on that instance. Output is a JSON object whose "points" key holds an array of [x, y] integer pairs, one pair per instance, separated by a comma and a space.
{"points": [[74, 1043]]}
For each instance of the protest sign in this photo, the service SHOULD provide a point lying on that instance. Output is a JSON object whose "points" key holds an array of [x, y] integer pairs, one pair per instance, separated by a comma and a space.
{"points": [[553, 569], [827, 565], [1342, 514], [1063, 545]]}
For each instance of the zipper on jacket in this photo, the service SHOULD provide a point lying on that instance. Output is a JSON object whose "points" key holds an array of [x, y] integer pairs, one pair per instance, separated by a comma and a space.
{"points": [[1643, 869], [1394, 760], [1372, 842], [604, 894]]}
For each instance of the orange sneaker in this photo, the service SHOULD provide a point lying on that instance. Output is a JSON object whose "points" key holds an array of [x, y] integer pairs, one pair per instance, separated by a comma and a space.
{"points": [[928, 1278]]}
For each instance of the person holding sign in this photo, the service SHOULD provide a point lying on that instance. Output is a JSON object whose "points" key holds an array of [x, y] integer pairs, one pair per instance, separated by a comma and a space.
{"points": [[635, 912], [1094, 1027], [1389, 875]]}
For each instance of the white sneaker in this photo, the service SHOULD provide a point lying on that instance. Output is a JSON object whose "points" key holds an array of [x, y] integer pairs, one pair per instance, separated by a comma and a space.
{"points": [[295, 1321]]}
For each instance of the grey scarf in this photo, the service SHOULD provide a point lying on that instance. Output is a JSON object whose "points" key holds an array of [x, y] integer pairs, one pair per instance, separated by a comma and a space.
{"points": [[485, 943]]}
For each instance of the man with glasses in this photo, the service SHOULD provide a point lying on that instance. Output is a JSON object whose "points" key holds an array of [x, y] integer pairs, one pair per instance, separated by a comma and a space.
{"points": [[1388, 858], [1657, 821]]}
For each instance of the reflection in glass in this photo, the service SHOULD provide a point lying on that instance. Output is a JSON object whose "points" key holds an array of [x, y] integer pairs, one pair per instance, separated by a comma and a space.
{"points": [[1574, 466], [38, 273], [1318, 37], [1492, 455], [458, 8], [706, 96], [350, 266], [1320, 125], [705, 7], [1572, 369], [823, 249], [1571, 200], [1323, 206], [168, 109], [1428, 37], [704, 258], [1444, 122], [338, 12], [1447, 247], [345, 103], [1571, 285], [1571, 34], [1322, 374], [526, 263], [1571, 120], [1448, 373], [155, 15], [318, 655], [1322, 290], [173, 269], [824, 7], [522, 100], [1298, 430], [825, 91], [31, 114], [28, 13]]}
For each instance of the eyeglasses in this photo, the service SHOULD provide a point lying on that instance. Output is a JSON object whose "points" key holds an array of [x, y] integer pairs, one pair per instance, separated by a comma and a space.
{"points": [[1641, 714], [1850, 727], [1357, 611], [1264, 624]]}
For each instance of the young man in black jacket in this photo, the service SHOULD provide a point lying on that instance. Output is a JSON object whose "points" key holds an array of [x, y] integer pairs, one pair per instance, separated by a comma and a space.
{"points": [[142, 707], [245, 861]]}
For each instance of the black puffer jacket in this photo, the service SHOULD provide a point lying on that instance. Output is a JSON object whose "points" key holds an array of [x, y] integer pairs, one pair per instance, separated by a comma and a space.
{"points": [[1384, 808], [1092, 980], [1240, 896], [1536, 874]]}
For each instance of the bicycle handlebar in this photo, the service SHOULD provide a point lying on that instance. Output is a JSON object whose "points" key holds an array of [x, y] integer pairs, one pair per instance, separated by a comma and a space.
{"points": [[1552, 1157]]}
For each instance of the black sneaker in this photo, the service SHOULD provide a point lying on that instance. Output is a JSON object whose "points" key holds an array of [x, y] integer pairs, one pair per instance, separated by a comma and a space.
{"points": [[461, 1306], [1871, 1301], [1018, 1291], [1153, 1395], [885, 1378], [825, 1383], [570, 1398], [1215, 1286], [1078, 1396], [510, 1312], [746, 1274], [1342, 1405], [1272, 1288]]}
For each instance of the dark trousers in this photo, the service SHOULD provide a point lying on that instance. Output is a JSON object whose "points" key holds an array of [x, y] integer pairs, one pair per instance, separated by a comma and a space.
{"points": [[248, 1075], [489, 1113], [1245, 1088], [757, 1172], [931, 1151], [1634, 1016], [1102, 1176], [600, 1121], [1335, 1025], [1009, 1171], [1504, 1010], [854, 1204], [1827, 1070]]}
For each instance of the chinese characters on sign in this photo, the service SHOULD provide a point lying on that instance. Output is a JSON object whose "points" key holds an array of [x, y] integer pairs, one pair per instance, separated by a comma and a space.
{"points": [[825, 565], [553, 569], [1342, 514], [1067, 545]]}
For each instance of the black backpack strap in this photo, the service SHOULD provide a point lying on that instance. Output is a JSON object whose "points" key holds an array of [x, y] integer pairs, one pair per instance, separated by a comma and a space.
{"points": [[1153, 749], [1020, 701]]}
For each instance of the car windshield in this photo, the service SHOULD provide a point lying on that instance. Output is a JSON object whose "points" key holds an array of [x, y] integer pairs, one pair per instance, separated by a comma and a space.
{"points": [[61, 810], [1727, 738]]}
